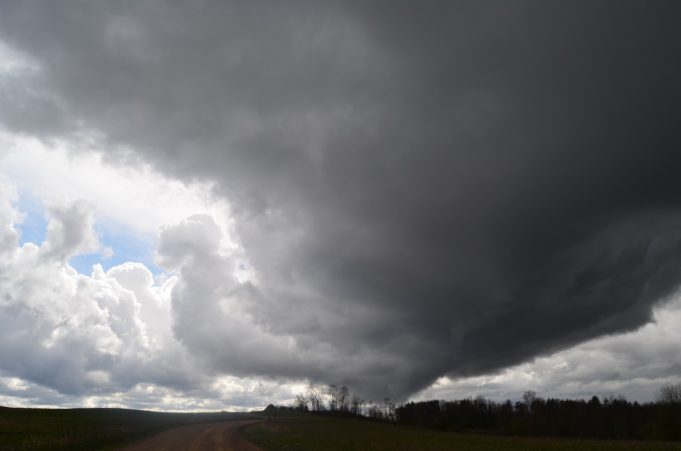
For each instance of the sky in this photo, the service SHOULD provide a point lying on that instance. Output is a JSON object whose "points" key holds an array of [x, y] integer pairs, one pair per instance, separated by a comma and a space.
{"points": [[212, 204]]}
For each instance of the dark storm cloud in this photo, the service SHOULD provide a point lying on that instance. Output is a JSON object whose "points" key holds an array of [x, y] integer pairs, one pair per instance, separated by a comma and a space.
{"points": [[423, 189]]}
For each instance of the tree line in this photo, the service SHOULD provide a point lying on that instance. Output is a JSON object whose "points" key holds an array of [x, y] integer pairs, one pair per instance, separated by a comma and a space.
{"points": [[607, 418], [340, 400]]}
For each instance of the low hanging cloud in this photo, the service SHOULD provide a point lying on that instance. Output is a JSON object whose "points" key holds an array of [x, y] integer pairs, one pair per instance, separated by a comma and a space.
{"points": [[421, 190], [633, 364]]}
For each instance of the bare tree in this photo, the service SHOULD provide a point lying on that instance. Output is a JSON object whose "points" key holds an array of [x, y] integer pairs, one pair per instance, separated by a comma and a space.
{"points": [[356, 404], [669, 394], [301, 402], [343, 398], [390, 414], [333, 397], [375, 412], [339, 397], [314, 396], [528, 397], [389, 409]]}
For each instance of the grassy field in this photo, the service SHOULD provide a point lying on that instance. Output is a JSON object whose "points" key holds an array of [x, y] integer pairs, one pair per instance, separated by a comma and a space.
{"points": [[107, 429], [327, 433], [87, 429]]}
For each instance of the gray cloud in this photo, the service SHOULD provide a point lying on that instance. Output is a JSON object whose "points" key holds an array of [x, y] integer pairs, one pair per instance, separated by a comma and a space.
{"points": [[448, 188], [634, 364]]}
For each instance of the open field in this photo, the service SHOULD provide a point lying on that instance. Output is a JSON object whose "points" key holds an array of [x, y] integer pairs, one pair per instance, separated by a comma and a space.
{"points": [[328, 433], [90, 429], [109, 429]]}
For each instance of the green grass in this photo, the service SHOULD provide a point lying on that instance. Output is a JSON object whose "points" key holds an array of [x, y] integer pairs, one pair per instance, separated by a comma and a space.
{"points": [[87, 429], [324, 433]]}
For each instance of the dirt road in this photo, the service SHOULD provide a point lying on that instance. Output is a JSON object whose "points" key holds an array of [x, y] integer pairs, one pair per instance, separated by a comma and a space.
{"points": [[198, 437]]}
